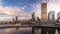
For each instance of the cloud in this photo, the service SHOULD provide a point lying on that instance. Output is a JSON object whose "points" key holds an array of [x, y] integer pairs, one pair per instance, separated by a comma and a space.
{"points": [[12, 11], [54, 5]]}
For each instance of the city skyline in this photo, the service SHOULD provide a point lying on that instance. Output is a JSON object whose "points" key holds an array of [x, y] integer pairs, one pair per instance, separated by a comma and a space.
{"points": [[26, 7]]}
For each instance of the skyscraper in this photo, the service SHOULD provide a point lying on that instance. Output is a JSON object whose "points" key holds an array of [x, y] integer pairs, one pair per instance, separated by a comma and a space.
{"points": [[13, 19], [51, 15], [16, 17], [58, 15], [44, 16], [33, 16]]}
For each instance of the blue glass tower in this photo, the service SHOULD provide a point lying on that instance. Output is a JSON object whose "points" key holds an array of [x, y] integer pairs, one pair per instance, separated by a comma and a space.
{"points": [[51, 15]]}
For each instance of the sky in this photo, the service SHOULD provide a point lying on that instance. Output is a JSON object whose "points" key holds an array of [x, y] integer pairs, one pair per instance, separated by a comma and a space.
{"points": [[23, 8]]}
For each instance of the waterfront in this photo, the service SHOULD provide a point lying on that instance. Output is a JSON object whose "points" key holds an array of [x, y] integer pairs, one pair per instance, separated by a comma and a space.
{"points": [[20, 31]]}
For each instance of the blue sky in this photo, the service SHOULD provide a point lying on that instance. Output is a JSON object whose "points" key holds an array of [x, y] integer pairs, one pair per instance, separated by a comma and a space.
{"points": [[26, 7]]}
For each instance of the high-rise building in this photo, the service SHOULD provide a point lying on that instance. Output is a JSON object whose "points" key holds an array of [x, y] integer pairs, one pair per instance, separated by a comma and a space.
{"points": [[51, 15], [13, 19], [44, 16], [16, 17], [33, 16], [58, 15]]}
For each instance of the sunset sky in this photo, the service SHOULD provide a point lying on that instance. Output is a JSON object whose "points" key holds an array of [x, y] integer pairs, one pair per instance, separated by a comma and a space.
{"points": [[10, 8]]}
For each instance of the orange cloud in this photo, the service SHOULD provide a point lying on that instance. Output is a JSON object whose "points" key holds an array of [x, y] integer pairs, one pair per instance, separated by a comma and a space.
{"points": [[13, 11]]}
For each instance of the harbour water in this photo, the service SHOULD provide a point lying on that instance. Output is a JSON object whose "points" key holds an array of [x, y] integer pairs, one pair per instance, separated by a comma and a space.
{"points": [[21, 31], [16, 31]]}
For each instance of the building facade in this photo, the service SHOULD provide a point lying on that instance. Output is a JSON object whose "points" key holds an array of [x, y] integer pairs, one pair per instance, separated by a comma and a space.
{"points": [[44, 16], [33, 16], [58, 15], [16, 18], [51, 15]]}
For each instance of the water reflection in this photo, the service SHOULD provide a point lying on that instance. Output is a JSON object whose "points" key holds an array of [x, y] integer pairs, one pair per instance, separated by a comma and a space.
{"points": [[22, 31], [14, 31]]}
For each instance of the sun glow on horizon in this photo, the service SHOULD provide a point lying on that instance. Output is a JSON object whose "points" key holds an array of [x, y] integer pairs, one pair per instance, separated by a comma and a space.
{"points": [[53, 6]]}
